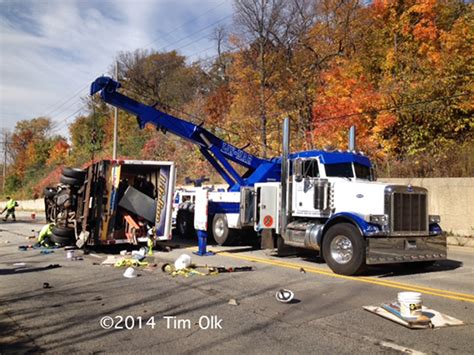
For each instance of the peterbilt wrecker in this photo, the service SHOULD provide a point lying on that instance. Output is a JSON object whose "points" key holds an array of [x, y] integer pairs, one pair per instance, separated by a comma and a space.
{"points": [[326, 201]]}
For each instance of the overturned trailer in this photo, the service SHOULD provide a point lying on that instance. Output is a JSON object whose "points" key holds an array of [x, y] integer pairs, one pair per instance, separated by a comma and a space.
{"points": [[113, 202]]}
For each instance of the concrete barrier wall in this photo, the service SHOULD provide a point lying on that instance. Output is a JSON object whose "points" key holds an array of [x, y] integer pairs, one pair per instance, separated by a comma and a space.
{"points": [[31, 205], [451, 198]]}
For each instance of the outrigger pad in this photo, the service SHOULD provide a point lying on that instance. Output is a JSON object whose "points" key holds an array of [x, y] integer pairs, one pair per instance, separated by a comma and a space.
{"points": [[138, 203]]}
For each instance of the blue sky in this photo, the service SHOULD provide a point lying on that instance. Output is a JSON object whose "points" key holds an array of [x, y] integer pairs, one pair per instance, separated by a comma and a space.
{"points": [[51, 50]]}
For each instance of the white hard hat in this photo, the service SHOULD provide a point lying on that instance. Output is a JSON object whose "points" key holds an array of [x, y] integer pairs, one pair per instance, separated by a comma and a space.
{"points": [[183, 262], [130, 273], [284, 295]]}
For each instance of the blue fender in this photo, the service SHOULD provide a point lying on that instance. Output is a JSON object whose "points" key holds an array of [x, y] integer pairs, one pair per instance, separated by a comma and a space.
{"points": [[365, 228]]}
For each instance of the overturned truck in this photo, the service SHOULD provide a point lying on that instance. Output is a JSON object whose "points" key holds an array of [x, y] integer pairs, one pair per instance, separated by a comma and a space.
{"points": [[112, 202]]}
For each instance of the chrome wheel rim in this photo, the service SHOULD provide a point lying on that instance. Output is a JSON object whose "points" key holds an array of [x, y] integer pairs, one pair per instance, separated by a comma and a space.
{"points": [[219, 228], [341, 249]]}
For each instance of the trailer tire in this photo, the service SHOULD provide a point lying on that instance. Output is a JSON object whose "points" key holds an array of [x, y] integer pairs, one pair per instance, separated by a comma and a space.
{"points": [[222, 234], [344, 249], [75, 173], [185, 223], [64, 232], [71, 181], [63, 241]]}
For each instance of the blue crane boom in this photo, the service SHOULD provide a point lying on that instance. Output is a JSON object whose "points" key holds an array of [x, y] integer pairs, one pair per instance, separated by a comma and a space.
{"points": [[218, 152]]}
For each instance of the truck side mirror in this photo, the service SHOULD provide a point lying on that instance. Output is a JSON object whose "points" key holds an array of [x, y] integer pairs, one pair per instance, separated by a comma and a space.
{"points": [[298, 170]]}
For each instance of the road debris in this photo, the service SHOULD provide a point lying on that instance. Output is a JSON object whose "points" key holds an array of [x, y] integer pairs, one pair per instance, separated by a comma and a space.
{"points": [[233, 302], [284, 295], [435, 319], [408, 311], [183, 262], [53, 266], [303, 271], [222, 269], [47, 285], [130, 273], [193, 270], [130, 263]]}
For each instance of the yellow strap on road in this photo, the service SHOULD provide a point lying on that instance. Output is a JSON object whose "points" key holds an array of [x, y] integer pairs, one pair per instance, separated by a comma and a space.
{"points": [[130, 262]]}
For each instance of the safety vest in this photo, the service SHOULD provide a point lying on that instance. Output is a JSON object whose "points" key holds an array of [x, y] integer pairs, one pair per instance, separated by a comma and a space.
{"points": [[11, 204], [46, 231]]}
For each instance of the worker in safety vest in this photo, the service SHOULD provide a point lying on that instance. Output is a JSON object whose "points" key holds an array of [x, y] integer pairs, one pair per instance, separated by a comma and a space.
{"points": [[151, 240], [10, 208], [44, 237]]}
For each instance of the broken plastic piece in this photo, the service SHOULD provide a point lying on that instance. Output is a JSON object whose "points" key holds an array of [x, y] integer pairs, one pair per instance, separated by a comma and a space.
{"points": [[284, 295], [233, 302]]}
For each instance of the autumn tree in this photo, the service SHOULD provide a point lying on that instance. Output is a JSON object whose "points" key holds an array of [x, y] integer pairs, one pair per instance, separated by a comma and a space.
{"points": [[259, 22]]}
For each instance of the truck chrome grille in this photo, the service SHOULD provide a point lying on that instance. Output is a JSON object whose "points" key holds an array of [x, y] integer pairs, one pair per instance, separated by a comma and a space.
{"points": [[407, 208], [409, 212]]}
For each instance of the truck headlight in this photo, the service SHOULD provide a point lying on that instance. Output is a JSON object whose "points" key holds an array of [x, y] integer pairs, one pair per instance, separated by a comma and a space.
{"points": [[434, 218], [380, 219]]}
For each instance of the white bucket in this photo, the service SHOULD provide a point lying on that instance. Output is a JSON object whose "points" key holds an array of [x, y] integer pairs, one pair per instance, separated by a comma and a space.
{"points": [[410, 304], [70, 254]]}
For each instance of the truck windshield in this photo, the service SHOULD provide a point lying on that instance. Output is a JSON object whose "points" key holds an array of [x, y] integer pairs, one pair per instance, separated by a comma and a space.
{"points": [[362, 171], [345, 170], [339, 170]]}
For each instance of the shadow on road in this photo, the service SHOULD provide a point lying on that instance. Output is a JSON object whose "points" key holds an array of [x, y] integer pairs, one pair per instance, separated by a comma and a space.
{"points": [[392, 270], [25, 270], [12, 340]]}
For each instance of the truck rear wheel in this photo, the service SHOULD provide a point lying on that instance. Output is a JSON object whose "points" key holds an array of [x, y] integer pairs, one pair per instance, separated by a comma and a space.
{"points": [[75, 173], [344, 249], [70, 181], [63, 241], [64, 231], [221, 232]]}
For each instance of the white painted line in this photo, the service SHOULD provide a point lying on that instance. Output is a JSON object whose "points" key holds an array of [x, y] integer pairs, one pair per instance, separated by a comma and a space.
{"points": [[389, 345]]}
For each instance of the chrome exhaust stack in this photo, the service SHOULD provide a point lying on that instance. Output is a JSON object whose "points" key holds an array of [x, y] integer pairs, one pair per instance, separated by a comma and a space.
{"points": [[284, 177], [352, 138]]}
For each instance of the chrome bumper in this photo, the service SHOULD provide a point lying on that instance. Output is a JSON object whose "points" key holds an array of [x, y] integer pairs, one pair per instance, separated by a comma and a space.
{"points": [[409, 249]]}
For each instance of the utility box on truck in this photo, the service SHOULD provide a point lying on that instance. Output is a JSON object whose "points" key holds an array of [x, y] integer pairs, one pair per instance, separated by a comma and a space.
{"points": [[113, 202]]}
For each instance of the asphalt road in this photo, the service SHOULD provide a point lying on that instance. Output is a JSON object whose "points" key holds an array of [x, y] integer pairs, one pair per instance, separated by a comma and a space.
{"points": [[327, 316]]}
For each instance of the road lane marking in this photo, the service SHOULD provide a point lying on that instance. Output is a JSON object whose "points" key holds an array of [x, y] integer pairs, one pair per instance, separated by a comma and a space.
{"points": [[391, 284], [429, 288], [393, 346]]}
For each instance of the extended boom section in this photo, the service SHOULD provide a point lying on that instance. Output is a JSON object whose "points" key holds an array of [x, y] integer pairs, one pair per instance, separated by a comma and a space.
{"points": [[214, 149]]}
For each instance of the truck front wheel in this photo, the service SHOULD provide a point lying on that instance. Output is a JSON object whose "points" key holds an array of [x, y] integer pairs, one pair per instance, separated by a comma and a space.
{"points": [[344, 249]]}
